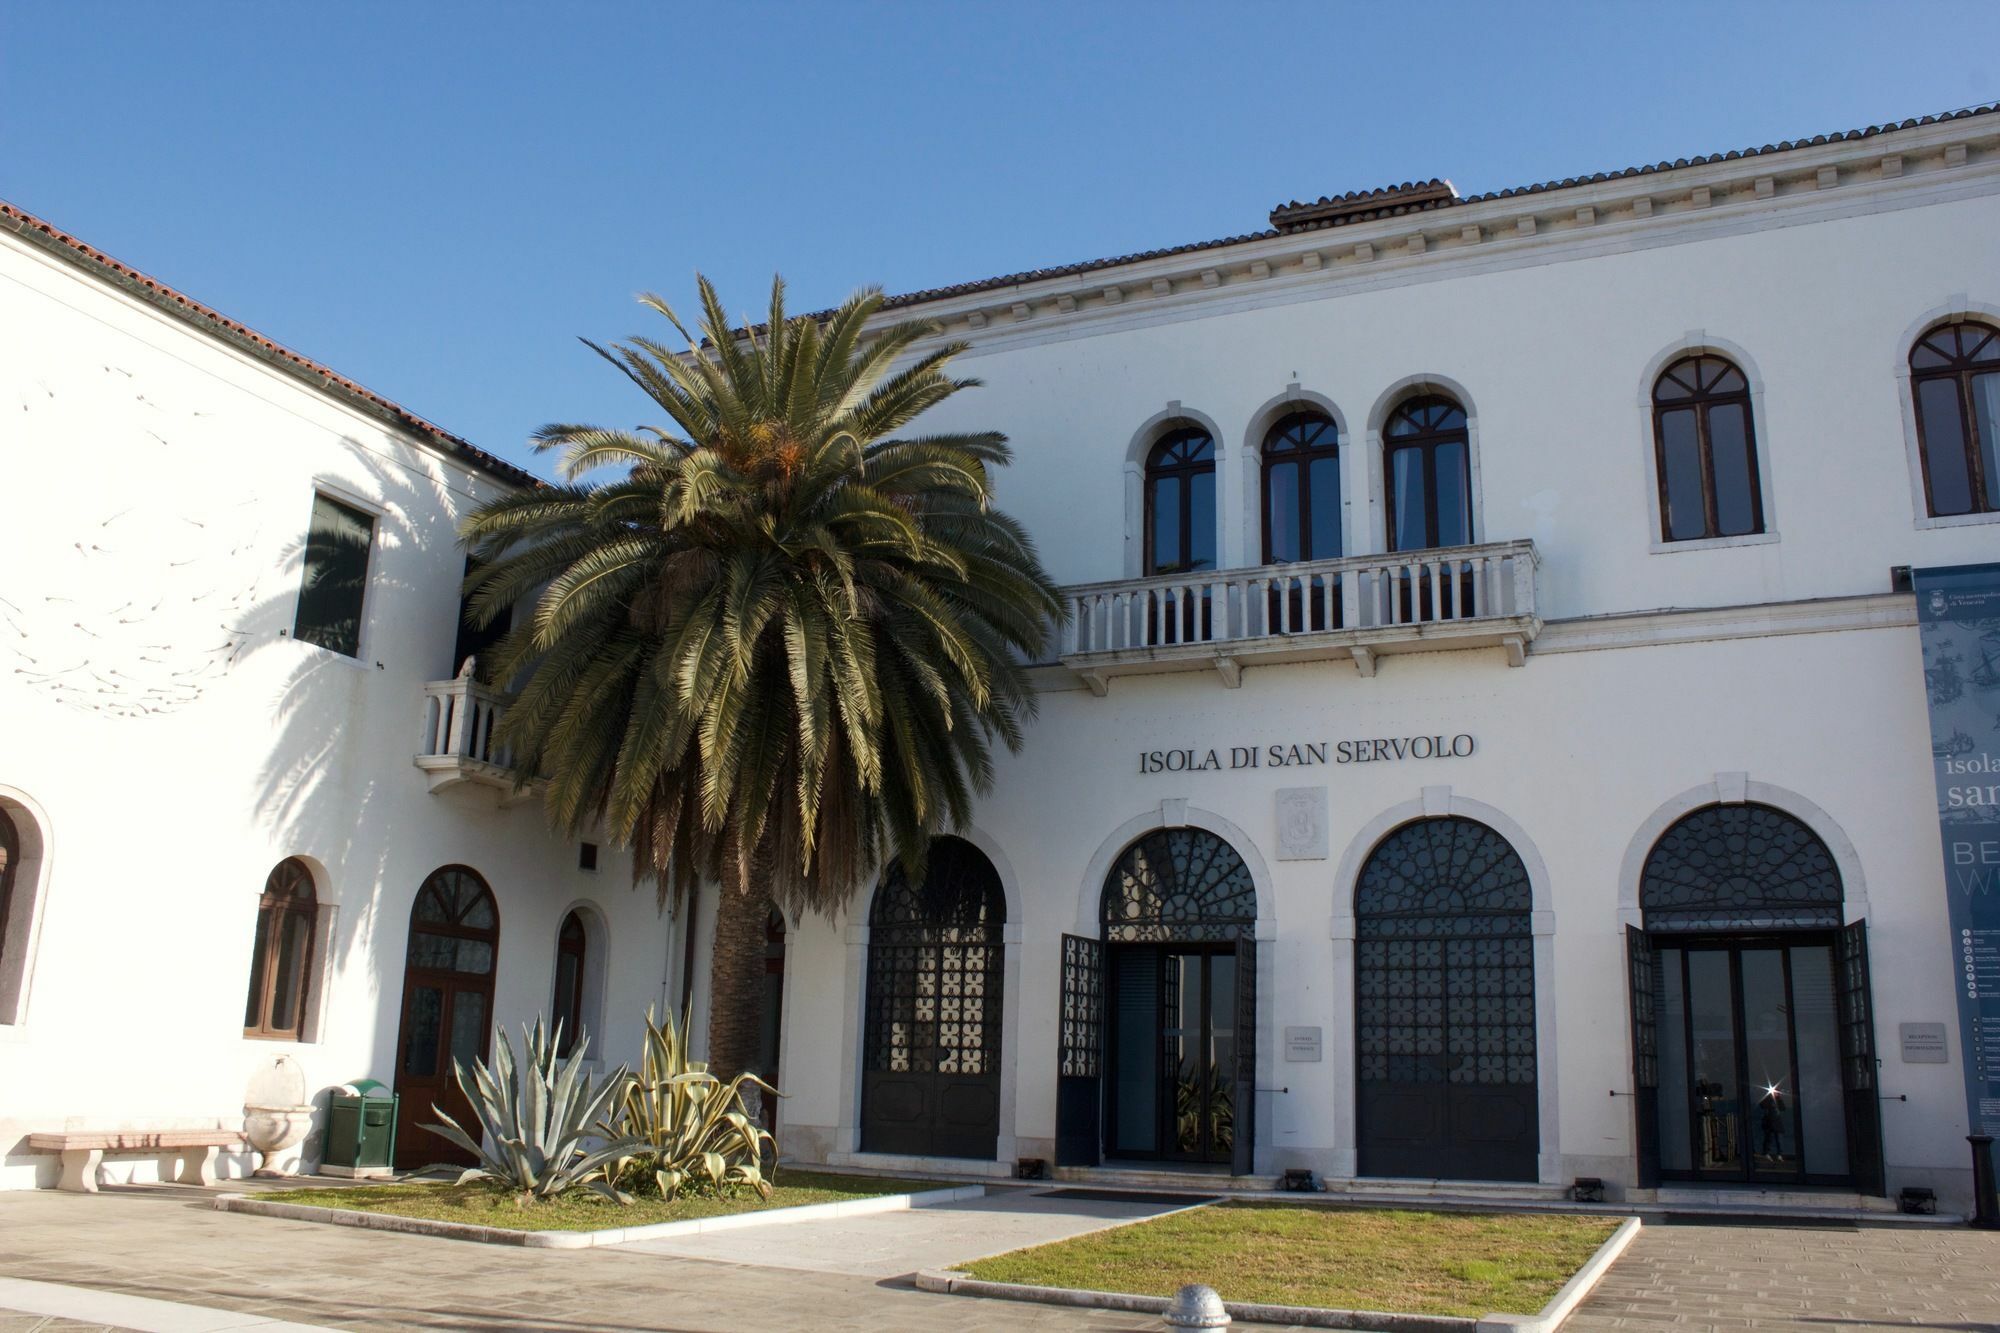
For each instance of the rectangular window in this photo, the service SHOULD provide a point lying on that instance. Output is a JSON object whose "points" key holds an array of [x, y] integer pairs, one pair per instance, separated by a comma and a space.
{"points": [[474, 642], [336, 577]]}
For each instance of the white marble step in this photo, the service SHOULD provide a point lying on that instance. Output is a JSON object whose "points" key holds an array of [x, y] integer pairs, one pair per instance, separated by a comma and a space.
{"points": [[1750, 1198]]}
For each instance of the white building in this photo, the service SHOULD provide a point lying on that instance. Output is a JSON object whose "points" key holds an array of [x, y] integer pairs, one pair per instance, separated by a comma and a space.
{"points": [[1489, 743]]}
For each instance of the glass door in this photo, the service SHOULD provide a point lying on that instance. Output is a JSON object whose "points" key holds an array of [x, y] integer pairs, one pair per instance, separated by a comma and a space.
{"points": [[1173, 1053], [1198, 1054], [1750, 1063]]}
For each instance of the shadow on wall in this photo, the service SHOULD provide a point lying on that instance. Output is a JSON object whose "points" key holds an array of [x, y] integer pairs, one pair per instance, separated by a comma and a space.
{"points": [[344, 726]]}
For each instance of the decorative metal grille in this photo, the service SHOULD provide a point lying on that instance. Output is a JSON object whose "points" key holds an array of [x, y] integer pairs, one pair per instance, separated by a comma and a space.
{"points": [[934, 966], [1081, 1051], [1644, 965], [1445, 984], [1857, 1017], [1740, 867], [1179, 885]]}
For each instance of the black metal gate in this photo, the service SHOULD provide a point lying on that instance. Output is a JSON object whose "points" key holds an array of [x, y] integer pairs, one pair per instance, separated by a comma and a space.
{"points": [[1445, 1007], [930, 1084], [1080, 1053], [1642, 963], [1857, 1058], [1243, 1151]]}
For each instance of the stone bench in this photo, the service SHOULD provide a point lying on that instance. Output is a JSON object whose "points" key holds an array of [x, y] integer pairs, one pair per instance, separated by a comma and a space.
{"points": [[83, 1152]]}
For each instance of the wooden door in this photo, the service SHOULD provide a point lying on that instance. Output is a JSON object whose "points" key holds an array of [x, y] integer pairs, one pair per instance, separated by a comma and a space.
{"points": [[447, 1015]]}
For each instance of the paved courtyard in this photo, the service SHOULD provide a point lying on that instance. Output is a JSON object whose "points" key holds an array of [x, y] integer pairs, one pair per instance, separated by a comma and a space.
{"points": [[168, 1243]]}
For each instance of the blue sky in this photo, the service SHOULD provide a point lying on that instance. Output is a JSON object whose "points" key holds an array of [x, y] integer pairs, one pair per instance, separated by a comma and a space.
{"points": [[438, 198]]}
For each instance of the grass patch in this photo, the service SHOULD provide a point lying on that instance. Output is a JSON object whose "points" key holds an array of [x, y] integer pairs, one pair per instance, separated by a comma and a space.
{"points": [[1393, 1260], [582, 1210]]}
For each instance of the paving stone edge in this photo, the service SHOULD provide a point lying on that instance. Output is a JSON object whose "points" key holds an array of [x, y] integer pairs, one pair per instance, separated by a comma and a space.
{"points": [[580, 1240]]}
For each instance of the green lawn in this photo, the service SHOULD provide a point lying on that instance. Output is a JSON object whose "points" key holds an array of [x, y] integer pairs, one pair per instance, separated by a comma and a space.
{"points": [[582, 1210], [1343, 1258]]}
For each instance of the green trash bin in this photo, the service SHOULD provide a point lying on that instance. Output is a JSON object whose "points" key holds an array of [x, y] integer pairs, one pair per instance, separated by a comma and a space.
{"points": [[361, 1130]]}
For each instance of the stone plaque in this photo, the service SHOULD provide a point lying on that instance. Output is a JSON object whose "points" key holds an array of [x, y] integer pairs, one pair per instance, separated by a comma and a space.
{"points": [[1302, 1045], [1923, 1043], [1302, 824]]}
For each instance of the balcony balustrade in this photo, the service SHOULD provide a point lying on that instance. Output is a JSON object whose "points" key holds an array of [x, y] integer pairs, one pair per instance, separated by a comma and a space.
{"points": [[457, 744], [1355, 607]]}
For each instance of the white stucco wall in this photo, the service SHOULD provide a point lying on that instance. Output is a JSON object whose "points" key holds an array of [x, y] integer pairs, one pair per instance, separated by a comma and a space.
{"points": [[1577, 750], [157, 487], [1553, 352]]}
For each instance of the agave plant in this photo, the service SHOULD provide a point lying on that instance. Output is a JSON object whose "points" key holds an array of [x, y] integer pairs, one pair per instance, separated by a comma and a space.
{"points": [[691, 1128], [540, 1120]]}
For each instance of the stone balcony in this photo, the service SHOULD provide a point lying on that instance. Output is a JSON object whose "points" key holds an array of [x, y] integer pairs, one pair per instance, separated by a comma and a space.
{"points": [[457, 744], [1356, 607]]}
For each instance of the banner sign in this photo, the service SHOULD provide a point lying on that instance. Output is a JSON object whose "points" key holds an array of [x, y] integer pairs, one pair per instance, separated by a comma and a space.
{"points": [[1958, 622]]}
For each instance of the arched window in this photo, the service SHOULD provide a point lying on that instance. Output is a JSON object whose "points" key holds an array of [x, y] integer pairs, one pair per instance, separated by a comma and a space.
{"points": [[1179, 885], [1955, 380], [1180, 503], [571, 945], [1301, 458], [10, 863], [281, 960], [1705, 452], [1740, 867], [1427, 463]]}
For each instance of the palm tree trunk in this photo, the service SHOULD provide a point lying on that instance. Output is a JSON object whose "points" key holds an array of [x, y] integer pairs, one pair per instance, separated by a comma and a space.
{"points": [[736, 982]]}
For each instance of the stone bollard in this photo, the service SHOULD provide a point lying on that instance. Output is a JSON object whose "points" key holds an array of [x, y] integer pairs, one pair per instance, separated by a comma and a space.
{"points": [[1197, 1307]]}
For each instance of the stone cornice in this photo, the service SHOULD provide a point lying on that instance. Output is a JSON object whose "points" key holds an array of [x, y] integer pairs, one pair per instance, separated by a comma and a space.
{"points": [[1668, 626], [1906, 168]]}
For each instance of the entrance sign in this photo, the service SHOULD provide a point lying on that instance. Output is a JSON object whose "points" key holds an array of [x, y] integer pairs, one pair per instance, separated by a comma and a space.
{"points": [[1302, 1045], [1923, 1044], [1310, 754], [1958, 622]]}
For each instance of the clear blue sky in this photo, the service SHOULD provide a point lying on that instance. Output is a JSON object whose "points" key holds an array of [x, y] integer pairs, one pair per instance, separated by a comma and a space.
{"points": [[437, 198]]}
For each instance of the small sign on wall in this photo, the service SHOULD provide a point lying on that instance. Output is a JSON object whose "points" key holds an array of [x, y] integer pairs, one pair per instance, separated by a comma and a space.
{"points": [[1302, 1045], [1923, 1043]]}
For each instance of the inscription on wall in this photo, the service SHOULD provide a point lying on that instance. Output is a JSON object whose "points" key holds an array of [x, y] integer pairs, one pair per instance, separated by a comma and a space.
{"points": [[1307, 754]]}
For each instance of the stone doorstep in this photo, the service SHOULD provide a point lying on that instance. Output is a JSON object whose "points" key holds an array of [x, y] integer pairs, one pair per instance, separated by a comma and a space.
{"points": [[1547, 1320], [578, 1240]]}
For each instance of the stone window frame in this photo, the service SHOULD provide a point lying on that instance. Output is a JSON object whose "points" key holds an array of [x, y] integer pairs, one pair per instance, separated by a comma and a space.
{"points": [[1958, 306], [1700, 342]]}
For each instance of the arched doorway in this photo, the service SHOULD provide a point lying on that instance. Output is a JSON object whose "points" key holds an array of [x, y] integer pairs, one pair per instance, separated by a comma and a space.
{"points": [[447, 1009], [1752, 1027], [930, 1083], [1179, 917], [1445, 1006]]}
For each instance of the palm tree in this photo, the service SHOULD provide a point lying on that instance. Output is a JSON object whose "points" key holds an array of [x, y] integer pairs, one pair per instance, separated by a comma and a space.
{"points": [[774, 647]]}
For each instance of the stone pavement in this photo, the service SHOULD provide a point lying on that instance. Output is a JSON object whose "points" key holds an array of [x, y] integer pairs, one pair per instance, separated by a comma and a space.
{"points": [[1826, 1279], [883, 1245], [169, 1243]]}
